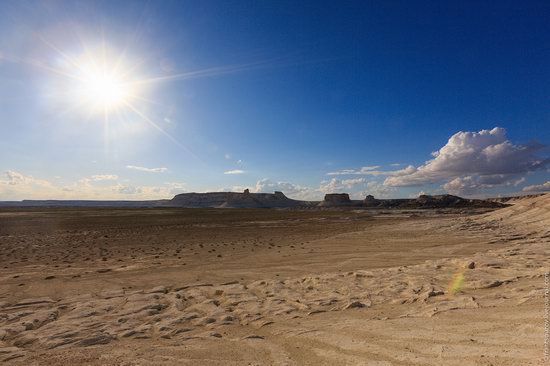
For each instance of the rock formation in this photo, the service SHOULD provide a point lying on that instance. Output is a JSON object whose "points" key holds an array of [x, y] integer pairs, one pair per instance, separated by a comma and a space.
{"points": [[370, 201], [336, 199], [234, 200]]}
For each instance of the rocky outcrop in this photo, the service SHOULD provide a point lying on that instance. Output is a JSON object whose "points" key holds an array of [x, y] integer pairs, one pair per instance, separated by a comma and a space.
{"points": [[247, 199], [450, 201], [370, 201], [234, 200], [336, 199]]}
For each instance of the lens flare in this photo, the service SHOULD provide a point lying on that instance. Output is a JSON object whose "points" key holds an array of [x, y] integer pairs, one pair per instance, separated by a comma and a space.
{"points": [[457, 282]]}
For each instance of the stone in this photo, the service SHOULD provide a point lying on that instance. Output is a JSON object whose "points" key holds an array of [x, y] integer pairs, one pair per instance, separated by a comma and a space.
{"points": [[355, 305]]}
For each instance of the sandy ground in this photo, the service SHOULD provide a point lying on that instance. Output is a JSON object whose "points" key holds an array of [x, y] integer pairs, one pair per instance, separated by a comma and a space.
{"points": [[273, 287]]}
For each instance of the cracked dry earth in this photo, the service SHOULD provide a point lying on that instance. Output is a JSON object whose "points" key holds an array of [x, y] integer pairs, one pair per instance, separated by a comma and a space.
{"points": [[397, 307]]}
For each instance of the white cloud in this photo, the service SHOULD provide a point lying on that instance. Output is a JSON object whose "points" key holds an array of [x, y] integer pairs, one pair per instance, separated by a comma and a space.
{"points": [[227, 156], [18, 186], [14, 178], [148, 170], [338, 186], [356, 187], [332, 186], [471, 161], [126, 189], [289, 189], [235, 171], [104, 177], [350, 183], [544, 187], [474, 184], [376, 189], [416, 195], [176, 187]]}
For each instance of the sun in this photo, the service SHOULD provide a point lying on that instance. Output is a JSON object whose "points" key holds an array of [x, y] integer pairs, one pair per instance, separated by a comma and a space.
{"points": [[102, 88], [100, 83]]}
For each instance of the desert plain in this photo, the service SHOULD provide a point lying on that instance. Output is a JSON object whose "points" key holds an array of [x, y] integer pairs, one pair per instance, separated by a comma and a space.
{"points": [[170, 286]]}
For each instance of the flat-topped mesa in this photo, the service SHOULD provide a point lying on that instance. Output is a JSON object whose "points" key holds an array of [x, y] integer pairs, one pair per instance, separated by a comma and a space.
{"points": [[450, 201], [246, 199], [336, 199], [444, 200]]}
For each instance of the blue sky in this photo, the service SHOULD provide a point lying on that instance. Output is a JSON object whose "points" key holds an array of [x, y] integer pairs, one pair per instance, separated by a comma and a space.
{"points": [[308, 98]]}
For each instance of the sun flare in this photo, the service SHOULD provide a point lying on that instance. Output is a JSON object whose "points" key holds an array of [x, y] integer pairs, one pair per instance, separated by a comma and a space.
{"points": [[102, 88]]}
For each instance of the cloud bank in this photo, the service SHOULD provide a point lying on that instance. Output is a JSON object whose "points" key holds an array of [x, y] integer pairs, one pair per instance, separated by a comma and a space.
{"points": [[17, 186], [289, 189], [471, 161], [544, 187]]}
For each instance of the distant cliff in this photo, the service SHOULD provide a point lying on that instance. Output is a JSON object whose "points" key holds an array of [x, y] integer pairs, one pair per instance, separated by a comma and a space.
{"points": [[423, 201], [335, 200], [234, 200], [247, 199]]}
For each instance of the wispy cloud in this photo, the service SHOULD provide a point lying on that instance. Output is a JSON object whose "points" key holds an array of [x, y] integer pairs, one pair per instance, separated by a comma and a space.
{"points": [[366, 170], [148, 170], [373, 171], [234, 171], [104, 177]]}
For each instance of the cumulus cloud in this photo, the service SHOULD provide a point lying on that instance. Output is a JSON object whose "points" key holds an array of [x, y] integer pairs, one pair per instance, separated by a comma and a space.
{"points": [[14, 184], [234, 171], [471, 161], [356, 187], [338, 185], [376, 189], [544, 187], [176, 187], [126, 189], [148, 170], [474, 184], [17, 186], [266, 185], [14, 178]]}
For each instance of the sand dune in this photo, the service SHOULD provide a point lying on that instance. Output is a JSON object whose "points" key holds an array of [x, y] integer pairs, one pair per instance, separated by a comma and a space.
{"points": [[531, 215]]}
